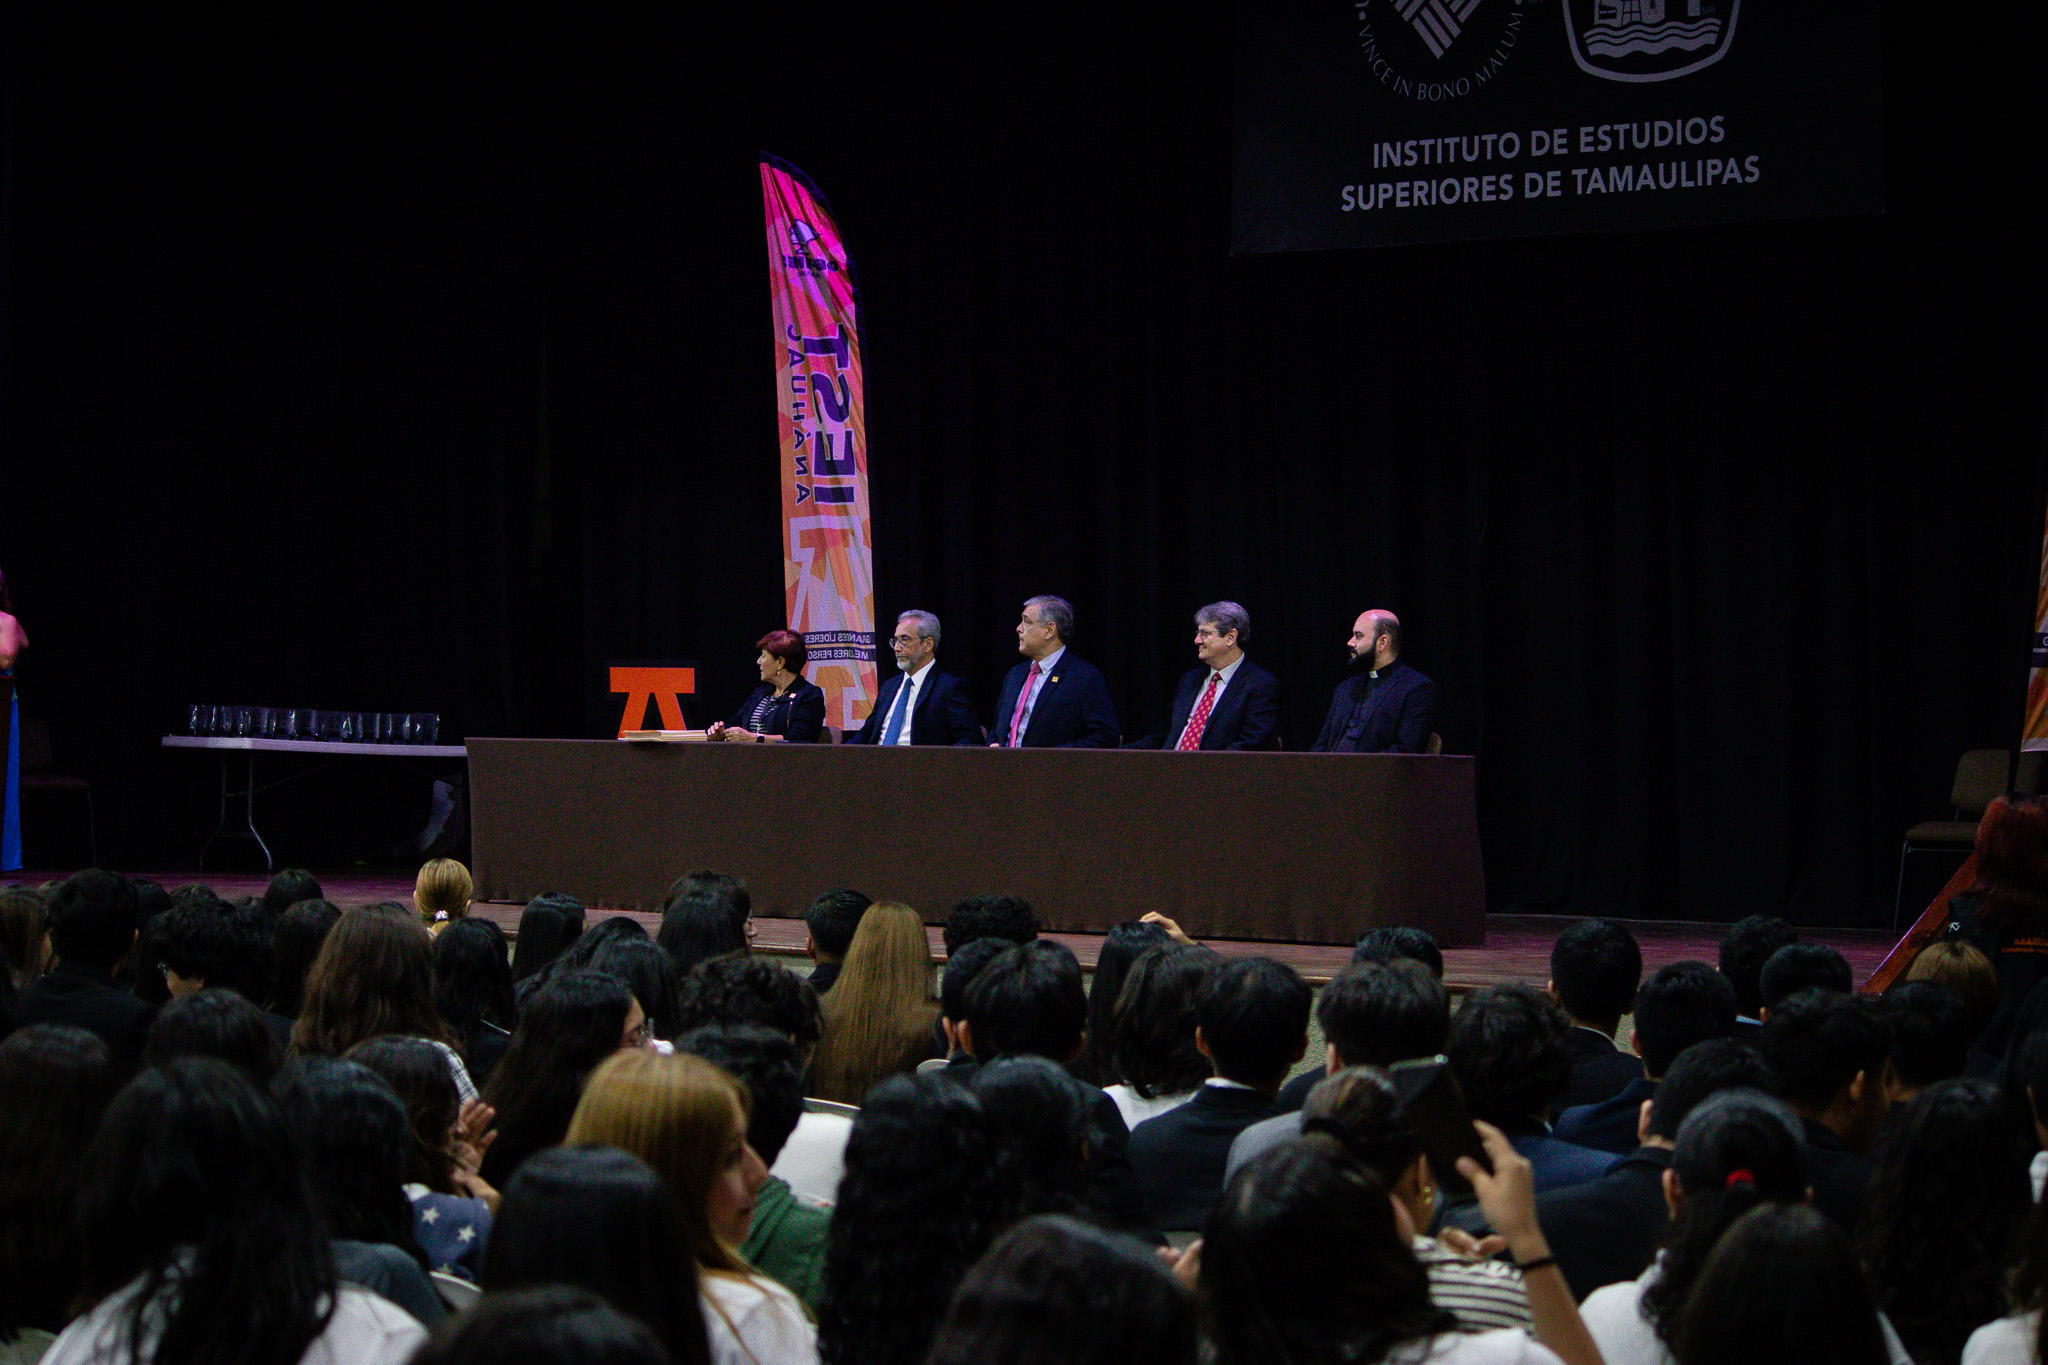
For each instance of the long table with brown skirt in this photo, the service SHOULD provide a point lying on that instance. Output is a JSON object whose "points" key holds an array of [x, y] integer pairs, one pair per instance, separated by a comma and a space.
{"points": [[1307, 848]]}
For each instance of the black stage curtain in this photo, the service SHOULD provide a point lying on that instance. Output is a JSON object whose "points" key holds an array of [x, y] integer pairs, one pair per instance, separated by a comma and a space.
{"points": [[398, 361]]}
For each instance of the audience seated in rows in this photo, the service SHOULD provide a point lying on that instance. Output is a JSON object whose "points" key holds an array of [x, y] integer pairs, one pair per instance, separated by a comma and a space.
{"points": [[786, 1238], [1681, 1004], [92, 928], [829, 922], [880, 1019], [646, 1121], [1608, 1229], [1372, 1014], [1827, 1054], [1745, 948], [1152, 1027], [1252, 1025], [688, 1121], [1595, 970], [1508, 1046]]}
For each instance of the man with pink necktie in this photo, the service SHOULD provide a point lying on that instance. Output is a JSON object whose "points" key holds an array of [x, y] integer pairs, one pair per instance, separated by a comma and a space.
{"points": [[1054, 700], [1227, 703]]}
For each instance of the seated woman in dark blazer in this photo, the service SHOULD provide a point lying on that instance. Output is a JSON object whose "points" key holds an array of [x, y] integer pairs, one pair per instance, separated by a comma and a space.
{"points": [[784, 707]]}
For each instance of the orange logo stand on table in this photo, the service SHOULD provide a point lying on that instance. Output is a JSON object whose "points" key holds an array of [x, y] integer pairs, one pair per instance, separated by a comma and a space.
{"points": [[664, 686]]}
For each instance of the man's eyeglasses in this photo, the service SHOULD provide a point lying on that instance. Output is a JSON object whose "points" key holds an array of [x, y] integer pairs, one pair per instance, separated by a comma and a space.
{"points": [[905, 640]]}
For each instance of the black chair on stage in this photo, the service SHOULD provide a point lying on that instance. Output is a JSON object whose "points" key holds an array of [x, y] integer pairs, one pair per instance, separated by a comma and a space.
{"points": [[1979, 780], [43, 784]]}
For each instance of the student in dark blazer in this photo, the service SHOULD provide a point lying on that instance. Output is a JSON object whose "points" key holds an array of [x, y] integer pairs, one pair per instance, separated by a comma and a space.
{"points": [[1607, 1230], [1682, 1004], [937, 710], [1242, 699], [1252, 1025], [1595, 969], [785, 707], [92, 919], [1384, 706], [1054, 700]]}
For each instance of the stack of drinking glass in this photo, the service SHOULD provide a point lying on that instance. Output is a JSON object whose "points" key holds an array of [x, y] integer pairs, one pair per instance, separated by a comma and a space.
{"points": [[329, 727]]}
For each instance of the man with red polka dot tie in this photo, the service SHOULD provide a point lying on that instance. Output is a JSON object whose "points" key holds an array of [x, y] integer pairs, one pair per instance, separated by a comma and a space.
{"points": [[1228, 702]]}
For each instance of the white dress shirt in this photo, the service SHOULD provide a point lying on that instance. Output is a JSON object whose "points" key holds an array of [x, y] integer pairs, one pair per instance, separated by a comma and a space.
{"points": [[906, 697]]}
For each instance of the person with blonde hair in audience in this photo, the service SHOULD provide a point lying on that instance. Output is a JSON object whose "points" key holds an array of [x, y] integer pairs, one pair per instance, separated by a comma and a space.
{"points": [[688, 1120], [1961, 966], [442, 892], [374, 976], [880, 1015]]}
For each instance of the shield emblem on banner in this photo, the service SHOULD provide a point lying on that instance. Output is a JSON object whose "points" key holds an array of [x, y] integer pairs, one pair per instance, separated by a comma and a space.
{"points": [[1649, 40]]}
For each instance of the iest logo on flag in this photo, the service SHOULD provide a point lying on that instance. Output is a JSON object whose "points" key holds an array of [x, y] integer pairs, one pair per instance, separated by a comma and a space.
{"points": [[1649, 40]]}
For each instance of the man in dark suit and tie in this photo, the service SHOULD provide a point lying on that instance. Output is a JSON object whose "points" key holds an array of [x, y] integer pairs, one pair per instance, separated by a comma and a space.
{"points": [[1055, 700], [1227, 703], [1385, 706], [922, 704]]}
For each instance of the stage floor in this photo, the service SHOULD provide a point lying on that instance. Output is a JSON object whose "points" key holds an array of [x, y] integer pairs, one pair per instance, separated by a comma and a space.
{"points": [[1517, 946]]}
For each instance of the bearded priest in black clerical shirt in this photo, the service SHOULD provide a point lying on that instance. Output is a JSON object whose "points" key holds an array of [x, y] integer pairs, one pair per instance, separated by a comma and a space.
{"points": [[1384, 707]]}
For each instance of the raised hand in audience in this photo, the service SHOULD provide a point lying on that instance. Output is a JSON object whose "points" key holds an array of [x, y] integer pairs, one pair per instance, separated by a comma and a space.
{"points": [[473, 1135], [1173, 930], [1507, 1195]]}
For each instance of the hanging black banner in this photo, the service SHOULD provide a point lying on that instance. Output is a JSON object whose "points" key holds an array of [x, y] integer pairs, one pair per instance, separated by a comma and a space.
{"points": [[1371, 122]]}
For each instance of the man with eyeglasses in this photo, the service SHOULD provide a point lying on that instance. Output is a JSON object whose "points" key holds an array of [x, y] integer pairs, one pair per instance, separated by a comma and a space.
{"points": [[1228, 702], [922, 704]]}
